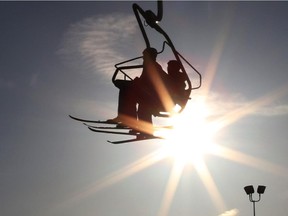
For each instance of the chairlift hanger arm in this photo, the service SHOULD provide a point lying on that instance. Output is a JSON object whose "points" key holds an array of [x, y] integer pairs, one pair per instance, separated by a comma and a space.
{"points": [[195, 70], [150, 18]]}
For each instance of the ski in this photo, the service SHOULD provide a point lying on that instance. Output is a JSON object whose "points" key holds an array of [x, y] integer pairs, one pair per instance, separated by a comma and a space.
{"points": [[132, 140], [123, 127], [92, 121], [139, 136], [112, 132], [120, 130], [117, 127]]}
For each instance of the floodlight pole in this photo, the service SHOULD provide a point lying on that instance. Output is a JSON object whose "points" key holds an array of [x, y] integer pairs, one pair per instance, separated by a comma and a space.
{"points": [[250, 190]]}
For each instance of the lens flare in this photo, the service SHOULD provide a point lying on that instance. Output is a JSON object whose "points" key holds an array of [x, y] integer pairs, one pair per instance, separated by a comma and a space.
{"points": [[191, 137]]}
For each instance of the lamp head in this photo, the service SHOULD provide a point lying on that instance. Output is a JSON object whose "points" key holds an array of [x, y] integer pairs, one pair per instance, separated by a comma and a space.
{"points": [[249, 189], [261, 189]]}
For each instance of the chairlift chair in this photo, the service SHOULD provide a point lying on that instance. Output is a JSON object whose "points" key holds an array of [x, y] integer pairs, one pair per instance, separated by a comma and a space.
{"points": [[123, 69]]}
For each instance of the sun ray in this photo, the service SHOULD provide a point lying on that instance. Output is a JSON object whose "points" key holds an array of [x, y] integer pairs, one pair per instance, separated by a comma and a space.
{"points": [[171, 188], [188, 143], [118, 176], [210, 185], [249, 160], [252, 107], [216, 56]]}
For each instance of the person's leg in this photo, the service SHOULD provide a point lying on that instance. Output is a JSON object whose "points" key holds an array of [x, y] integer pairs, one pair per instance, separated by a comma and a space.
{"points": [[145, 124], [126, 102]]}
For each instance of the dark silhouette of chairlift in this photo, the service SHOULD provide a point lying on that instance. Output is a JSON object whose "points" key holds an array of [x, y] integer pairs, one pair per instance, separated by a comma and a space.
{"points": [[152, 20]]}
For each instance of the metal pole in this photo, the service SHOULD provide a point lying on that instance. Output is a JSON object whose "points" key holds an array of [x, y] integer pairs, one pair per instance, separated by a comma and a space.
{"points": [[254, 213]]}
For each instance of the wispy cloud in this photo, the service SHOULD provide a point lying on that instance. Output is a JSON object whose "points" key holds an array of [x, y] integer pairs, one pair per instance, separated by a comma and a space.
{"points": [[273, 104], [233, 212], [96, 43], [276, 110]]}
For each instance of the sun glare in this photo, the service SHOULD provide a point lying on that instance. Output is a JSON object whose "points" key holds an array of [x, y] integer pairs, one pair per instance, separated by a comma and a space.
{"points": [[191, 137], [187, 144]]}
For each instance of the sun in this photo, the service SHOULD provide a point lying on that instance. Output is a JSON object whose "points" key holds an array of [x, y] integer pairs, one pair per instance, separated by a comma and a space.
{"points": [[191, 137], [187, 144]]}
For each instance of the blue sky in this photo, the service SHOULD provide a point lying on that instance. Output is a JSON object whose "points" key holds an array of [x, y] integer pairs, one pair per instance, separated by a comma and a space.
{"points": [[57, 58]]}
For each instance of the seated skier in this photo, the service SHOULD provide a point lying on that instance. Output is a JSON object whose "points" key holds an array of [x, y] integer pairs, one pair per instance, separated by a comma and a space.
{"points": [[176, 83], [149, 91], [170, 91], [139, 91]]}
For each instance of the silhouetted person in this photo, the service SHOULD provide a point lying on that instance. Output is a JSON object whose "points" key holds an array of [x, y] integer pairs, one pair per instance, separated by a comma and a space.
{"points": [[149, 87], [153, 91], [176, 83], [142, 90], [127, 113]]}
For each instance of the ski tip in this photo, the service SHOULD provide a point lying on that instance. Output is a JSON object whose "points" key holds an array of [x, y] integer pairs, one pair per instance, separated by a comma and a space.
{"points": [[111, 142], [74, 118], [92, 129]]}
